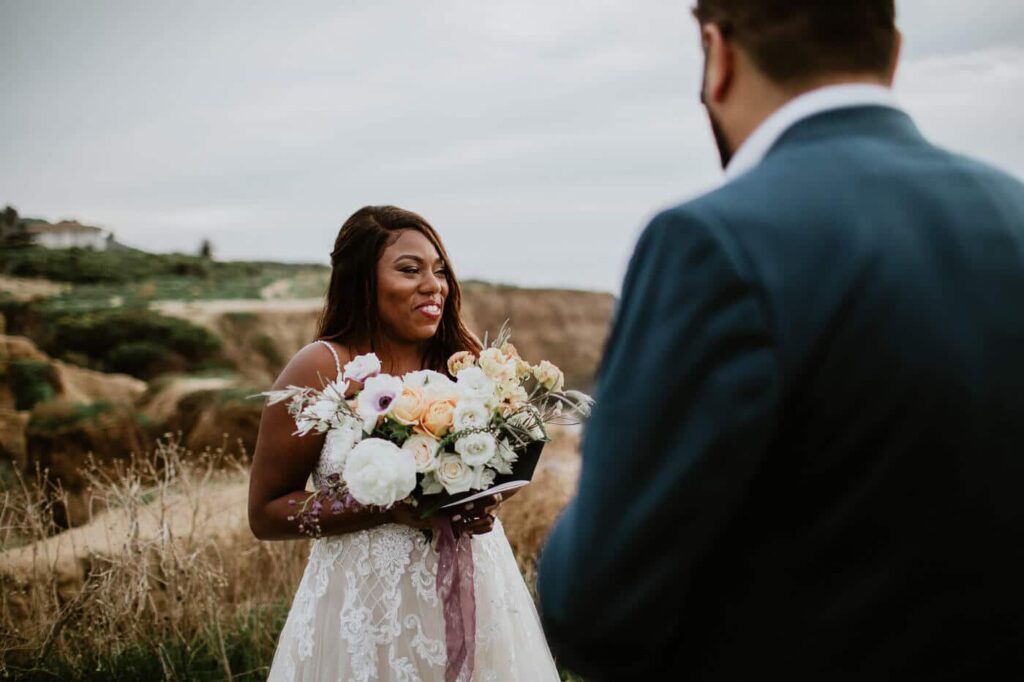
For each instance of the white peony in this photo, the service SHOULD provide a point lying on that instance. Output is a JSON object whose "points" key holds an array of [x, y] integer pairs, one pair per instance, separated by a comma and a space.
{"points": [[477, 448], [473, 384], [339, 443], [362, 367], [424, 451], [376, 398], [379, 473], [471, 414], [454, 475]]}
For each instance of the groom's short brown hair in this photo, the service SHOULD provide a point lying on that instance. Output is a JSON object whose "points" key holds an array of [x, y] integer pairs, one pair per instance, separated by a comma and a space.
{"points": [[794, 40]]}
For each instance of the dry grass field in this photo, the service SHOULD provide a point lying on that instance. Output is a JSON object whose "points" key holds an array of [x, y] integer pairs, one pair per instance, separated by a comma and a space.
{"points": [[167, 582]]}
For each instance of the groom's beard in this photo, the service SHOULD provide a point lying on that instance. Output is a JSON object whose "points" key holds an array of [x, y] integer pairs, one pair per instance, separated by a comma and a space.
{"points": [[724, 151]]}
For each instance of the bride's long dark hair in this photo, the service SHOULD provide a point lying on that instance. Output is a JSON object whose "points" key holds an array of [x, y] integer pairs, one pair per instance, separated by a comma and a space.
{"points": [[350, 313]]}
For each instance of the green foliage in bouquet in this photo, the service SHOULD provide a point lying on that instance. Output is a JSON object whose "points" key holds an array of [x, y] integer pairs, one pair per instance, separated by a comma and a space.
{"points": [[393, 431]]}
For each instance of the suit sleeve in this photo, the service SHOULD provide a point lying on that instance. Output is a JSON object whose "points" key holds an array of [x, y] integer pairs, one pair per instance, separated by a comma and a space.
{"points": [[686, 406]]}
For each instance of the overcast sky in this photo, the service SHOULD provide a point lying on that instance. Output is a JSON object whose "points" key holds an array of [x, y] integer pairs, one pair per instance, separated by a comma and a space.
{"points": [[537, 136]]}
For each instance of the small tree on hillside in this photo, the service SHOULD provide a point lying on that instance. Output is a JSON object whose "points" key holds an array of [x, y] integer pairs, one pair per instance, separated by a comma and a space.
{"points": [[8, 221], [206, 250]]}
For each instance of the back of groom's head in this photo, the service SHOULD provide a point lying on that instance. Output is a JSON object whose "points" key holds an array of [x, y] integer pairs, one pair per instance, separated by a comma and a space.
{"points": [[794, 41]]}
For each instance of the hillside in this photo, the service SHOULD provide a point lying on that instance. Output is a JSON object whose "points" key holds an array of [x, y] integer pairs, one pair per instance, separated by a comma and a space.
{"points": [[566, 327]]}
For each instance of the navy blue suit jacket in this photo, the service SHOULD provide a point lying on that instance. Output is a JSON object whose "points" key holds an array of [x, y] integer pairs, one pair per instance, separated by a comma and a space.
{"points": [[807, 453]]}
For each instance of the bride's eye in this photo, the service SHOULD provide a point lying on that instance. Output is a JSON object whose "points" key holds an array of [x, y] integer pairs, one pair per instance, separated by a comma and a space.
{"points": [[410, 270]]}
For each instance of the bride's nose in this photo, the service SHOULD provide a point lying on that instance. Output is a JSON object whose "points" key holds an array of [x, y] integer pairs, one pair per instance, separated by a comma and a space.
{"points": [[431, 284]]}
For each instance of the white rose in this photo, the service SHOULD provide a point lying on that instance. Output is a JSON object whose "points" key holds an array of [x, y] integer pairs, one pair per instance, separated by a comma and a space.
{"points": [[476, 449], [471, 414], [455, 475], [435, 386], [338, 444], [362, 368], [496, 365], [424, 451], [379, 473], [483, 478], [473, 384]]}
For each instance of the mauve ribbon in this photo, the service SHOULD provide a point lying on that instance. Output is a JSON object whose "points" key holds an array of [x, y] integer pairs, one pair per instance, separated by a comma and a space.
{"points": [[455, 588]]}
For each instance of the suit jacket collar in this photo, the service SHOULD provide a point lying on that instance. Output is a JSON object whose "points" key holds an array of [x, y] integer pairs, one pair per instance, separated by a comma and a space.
{"points": [[866, 121], [808, 105]]}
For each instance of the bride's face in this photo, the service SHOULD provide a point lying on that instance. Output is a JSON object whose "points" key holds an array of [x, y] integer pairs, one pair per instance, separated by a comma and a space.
{"points": [[412, 287]]}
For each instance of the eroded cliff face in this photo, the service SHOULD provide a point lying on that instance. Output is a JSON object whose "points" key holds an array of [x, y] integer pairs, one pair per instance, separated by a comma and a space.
{"points": [[568, 328]]}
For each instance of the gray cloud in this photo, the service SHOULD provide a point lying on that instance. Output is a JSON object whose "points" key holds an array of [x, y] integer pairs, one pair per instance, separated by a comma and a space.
{"points": [[564, 125]]}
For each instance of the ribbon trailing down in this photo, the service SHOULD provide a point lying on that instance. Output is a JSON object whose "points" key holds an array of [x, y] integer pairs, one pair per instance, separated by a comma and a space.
{"points": [[454, 584]]}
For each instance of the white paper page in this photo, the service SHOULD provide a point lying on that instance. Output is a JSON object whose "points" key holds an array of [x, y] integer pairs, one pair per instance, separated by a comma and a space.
{"points": [[511, 485]]}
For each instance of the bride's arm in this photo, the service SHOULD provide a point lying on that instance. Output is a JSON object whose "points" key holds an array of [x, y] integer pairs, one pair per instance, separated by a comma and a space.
{"points": [[283, 462]]}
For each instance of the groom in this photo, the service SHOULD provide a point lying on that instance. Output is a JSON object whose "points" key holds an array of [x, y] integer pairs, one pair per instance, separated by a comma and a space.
{"points": [[807, 455]]}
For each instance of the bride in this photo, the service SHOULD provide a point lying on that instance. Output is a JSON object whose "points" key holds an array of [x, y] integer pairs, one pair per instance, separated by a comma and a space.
{"points": [[367, 606]]}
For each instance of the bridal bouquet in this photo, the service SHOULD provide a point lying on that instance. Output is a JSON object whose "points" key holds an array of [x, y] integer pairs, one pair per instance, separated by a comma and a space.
{"points": [[424, 437]]}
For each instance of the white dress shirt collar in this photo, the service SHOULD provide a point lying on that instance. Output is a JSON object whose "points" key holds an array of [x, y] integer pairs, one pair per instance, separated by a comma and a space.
{"points": [[830, 97]]}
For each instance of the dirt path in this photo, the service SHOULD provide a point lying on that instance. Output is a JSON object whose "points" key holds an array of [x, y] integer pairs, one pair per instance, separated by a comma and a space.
{"points": [[206, 312], [165, 404], [217, 513]]}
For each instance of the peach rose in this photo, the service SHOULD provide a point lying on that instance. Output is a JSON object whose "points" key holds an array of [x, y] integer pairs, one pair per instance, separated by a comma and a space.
{"points": [[438, 418], [409, 406]]}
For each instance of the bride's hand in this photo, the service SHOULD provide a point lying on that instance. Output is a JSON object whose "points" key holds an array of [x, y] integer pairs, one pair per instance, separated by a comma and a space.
{"points": [[408, 516], [478, 516]]}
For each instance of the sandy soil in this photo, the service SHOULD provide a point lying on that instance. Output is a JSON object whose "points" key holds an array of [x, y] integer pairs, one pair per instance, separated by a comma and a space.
{"points": [[26, 289]]}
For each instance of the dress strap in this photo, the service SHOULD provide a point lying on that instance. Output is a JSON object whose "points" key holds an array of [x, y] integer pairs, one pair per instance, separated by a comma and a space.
{"points": [[337, 362]]}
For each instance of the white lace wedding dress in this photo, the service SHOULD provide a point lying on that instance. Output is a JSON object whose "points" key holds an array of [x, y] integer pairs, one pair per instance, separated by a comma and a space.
{"points": [[367, 609]]}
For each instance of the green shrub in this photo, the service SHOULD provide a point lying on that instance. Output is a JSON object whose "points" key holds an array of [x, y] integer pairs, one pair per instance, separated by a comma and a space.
{"points": [[139, 358], [31, 382], [55, 416], [133, 340]]}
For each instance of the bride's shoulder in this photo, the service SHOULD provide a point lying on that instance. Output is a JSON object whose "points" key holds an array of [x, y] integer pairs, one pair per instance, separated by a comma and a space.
{"points": [[314, 365]]}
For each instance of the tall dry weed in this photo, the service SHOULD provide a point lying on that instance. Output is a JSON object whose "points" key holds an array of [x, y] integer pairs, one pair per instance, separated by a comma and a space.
{"points": [[169, 569]]}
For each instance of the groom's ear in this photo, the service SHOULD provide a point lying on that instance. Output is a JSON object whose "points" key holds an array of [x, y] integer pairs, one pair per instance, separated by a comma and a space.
{"points": [[719, 63]]}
